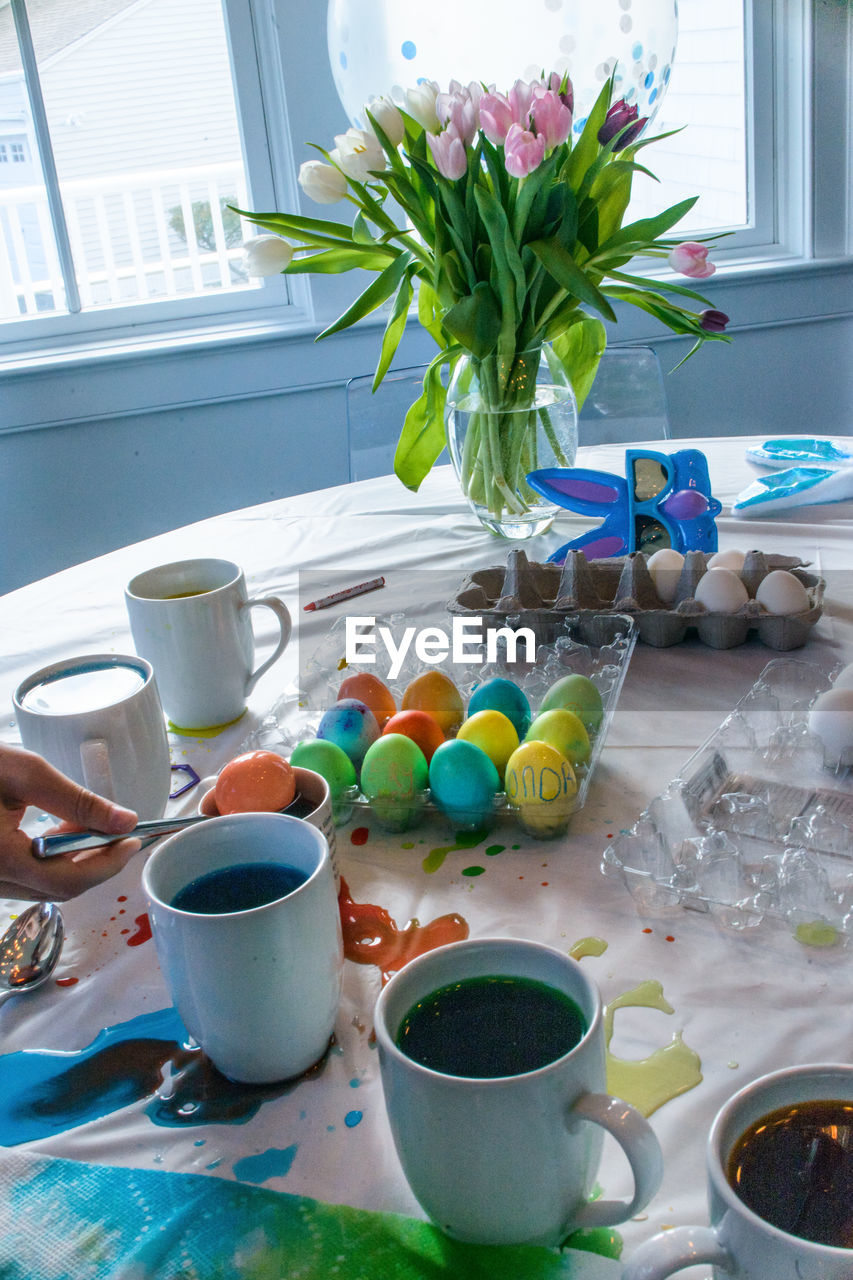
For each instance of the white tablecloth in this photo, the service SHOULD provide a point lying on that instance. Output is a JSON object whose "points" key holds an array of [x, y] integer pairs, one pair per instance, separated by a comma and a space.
{"points": [[745, 1003]]}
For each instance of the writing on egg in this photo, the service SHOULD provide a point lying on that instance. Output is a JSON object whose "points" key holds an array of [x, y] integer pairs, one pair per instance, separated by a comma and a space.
{"points": [[540, 783], [432, 645]]}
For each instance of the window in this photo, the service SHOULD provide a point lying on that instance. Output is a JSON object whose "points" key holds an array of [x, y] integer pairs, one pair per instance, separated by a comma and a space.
{"points": [[138, 156]]}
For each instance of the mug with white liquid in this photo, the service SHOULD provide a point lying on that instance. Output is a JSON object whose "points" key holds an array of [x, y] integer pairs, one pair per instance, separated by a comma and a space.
{"points": [[98, 719]]}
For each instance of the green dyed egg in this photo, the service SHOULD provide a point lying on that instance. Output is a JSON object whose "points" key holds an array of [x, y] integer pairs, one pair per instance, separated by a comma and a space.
{"points": [[394, 776], [576, 693], [565, 731], [333, 764]]}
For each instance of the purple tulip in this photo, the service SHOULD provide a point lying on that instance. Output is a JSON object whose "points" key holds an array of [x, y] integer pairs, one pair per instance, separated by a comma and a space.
{"points": [[552, 120], [523, 151], [691, 259], [619, 117], [449, 153], [713, 321]]}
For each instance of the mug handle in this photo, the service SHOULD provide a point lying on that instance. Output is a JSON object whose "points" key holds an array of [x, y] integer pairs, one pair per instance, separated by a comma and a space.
{"points": [[285, 628], [671, 1251], [637, 1139]]}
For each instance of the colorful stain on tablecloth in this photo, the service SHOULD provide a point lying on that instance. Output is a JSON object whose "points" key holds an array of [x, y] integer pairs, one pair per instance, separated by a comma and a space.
{"points": [[371, 936]]}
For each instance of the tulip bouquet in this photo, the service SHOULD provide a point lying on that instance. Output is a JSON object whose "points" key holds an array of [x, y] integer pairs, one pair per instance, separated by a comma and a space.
{"points": [[509, 224]]}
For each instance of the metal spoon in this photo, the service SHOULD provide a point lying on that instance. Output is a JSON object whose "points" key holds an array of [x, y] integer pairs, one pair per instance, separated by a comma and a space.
{"points": [[30, 949], [70, 841]]}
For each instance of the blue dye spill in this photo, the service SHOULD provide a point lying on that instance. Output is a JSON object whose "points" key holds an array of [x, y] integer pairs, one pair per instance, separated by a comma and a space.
{"points": [[408, 49], [353, 1084], [330, 1128], [352, 1118], [214, 1164], [342, 58], [199, 1142], [272, 1163], [649, 80], [44, 1092]]}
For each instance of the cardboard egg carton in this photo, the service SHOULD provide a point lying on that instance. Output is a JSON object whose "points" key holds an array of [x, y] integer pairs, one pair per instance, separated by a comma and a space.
{"points": [[541, 596]]}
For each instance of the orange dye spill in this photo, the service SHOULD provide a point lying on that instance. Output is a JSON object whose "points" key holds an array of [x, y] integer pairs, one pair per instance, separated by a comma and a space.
{"points": [[67, 982], [143, 931], [372, 937], [359, 835]]}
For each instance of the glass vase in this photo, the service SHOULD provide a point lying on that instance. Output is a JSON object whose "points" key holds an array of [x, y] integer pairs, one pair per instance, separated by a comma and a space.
{"points": [[505, 418]]}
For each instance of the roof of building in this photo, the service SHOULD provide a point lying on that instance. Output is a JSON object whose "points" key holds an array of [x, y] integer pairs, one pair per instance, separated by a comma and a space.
{"points": [[55, 25]]}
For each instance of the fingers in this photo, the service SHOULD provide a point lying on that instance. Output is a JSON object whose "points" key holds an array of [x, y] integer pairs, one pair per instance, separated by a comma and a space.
{"points": [[28, 779], [63, 877]]}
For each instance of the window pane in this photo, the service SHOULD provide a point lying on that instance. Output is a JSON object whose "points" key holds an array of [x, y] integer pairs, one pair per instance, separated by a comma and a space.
{"points": [[707, 95], [144, 130]]}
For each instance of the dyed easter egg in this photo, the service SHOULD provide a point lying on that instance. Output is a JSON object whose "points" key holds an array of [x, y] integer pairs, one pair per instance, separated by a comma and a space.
{"points": [[256, 782], [565, 731], [576, 693], [369, 689], [436, 693], [541, 786], [327, 759], [493, 733], [463, 782], [502, 695], [421, 727], [394, 775], [351, 725]]}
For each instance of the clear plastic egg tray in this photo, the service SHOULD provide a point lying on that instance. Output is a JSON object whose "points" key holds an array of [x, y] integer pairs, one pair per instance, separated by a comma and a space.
{"points": [[756, 826], [542, 594], [596, 646]]}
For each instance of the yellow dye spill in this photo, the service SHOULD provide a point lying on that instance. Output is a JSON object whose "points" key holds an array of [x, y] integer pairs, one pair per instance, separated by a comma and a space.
{"points": [[647, 1083], [343, 663], [210, 732], [817, 933], [588, 947]]}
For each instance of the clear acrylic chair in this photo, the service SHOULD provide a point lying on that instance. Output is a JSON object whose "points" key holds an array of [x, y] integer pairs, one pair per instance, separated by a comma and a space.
{"points": [[627, 402]]}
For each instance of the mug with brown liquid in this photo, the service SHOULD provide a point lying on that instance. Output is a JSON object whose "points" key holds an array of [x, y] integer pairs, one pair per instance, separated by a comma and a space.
{"points": [[780, 1176]]}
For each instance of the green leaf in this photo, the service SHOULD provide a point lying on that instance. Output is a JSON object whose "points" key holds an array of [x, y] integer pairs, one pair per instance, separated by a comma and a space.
{"points": [[335, 261], [394, 329], [661, 284], [612, 192], [504, 248], [361, 232], [646, 230], [559, 262], [475, 320], [579, 349], [587, 147], [377, 292], [423, 437], [298, 228], [429, 315]]}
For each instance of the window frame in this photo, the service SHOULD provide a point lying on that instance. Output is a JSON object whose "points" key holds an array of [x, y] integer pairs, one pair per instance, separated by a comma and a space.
{"points": [[285, 95]]}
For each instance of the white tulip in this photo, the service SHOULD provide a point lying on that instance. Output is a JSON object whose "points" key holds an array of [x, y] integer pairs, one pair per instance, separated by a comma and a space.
{"points": [[358, 152], [420, 104], [322, 182], [266, 255], [388, 118]]}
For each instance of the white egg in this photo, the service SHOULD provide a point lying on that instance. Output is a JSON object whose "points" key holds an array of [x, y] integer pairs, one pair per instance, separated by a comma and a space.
{"points": [[665, 567], [781, 592], [831, 720], [844, 679], [721, 591], [730, 559]]}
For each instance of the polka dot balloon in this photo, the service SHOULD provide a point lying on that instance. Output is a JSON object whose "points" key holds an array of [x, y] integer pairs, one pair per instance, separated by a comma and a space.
{"points": [[383, 47]]}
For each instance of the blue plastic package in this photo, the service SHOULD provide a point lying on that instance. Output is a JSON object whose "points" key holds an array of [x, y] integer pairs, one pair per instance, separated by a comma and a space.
{"points": [[796, 487], [787, 452]]}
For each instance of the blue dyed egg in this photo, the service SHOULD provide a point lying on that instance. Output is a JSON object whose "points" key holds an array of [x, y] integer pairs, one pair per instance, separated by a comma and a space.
{"points": [[352, 726], [463, 782], [502, 695]]}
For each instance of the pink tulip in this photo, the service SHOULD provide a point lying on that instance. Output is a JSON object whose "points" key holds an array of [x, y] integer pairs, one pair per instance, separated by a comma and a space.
{"points": [[523, 151], [495, 117], [551, 118], [520, 97], [458, 111], [449, 154], [691, 259], [567, 96]]}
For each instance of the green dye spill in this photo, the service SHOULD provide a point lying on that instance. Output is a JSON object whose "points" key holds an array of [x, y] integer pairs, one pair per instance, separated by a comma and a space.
{"points": [[407, 844], [647, 1083], [817, 933], [588, 947], [464, 840], [494, 849], [604, 1241], [473, 871]]}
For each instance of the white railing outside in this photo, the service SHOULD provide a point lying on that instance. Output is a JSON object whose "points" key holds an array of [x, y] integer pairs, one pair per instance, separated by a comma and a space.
{"points": [[154, 234]]}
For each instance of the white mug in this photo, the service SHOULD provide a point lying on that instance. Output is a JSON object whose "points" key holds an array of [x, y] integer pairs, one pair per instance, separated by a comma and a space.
{"points": [[509, 1159], [739, 1243], [98, 719], [257, 988], [312, 788], [192, 621]]}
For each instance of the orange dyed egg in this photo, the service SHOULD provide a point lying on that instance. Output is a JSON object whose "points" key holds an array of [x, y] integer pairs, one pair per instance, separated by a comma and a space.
{"points": [[420, 726], [436, 693], [257, 782], [370, 690]]}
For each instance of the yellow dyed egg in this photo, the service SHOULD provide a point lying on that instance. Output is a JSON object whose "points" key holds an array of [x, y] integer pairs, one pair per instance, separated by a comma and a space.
{"points": [[565, 731], [540, 786], [493, 733], [436, 693], [576, 693]]}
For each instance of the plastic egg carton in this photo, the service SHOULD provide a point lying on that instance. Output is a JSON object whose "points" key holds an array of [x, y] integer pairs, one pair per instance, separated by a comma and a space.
{"points": [[543, 594], [596, 646], [757, 826]]}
